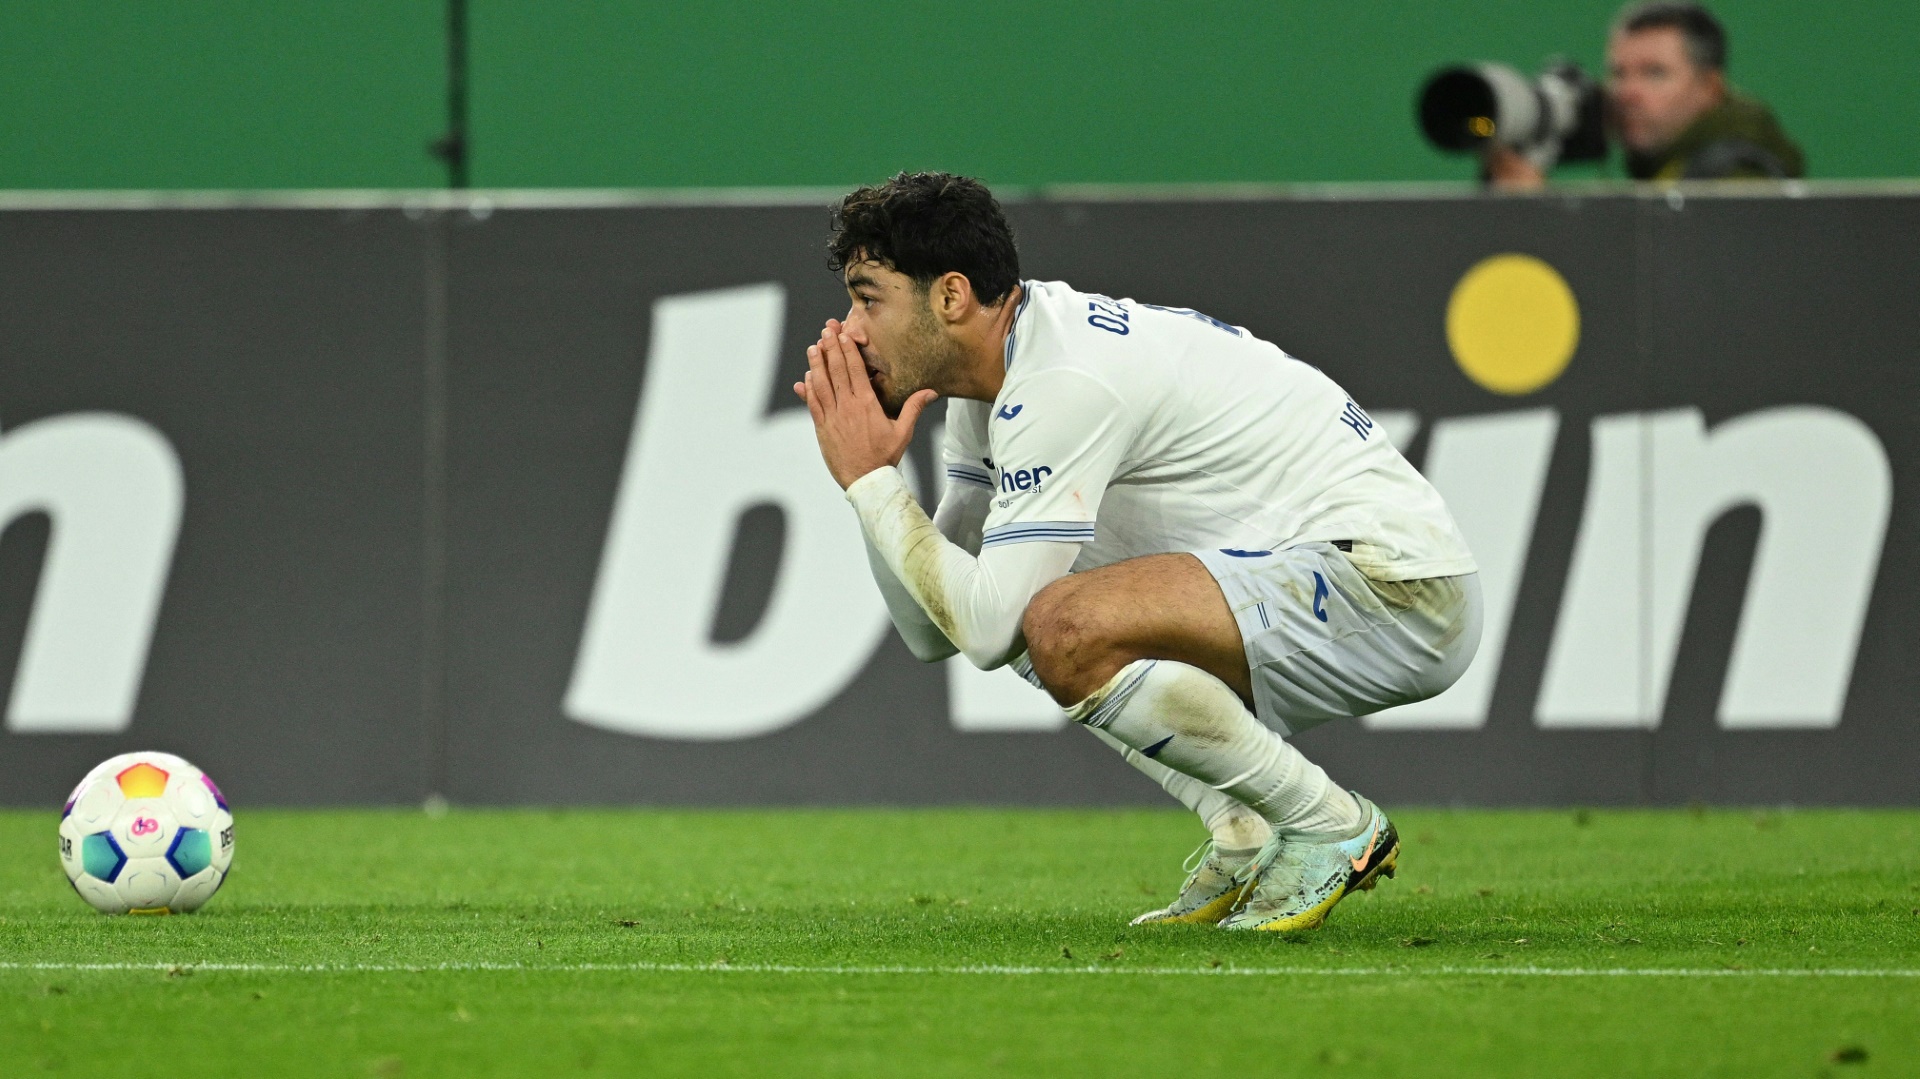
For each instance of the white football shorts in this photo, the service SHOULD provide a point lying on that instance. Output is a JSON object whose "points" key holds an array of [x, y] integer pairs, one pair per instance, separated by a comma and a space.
{"points": [[1324, 641]]}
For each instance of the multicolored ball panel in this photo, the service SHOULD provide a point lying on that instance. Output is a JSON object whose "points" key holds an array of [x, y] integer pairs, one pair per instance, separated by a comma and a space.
{"points": [[101, 857], [192, 851], [142, 781]]}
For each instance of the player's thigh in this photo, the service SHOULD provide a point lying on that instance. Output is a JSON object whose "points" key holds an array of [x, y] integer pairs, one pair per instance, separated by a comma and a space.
{"points": [[1084, 627]]}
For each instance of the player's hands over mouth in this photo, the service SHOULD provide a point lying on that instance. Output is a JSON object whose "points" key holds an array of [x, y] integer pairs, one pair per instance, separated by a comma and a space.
{"points": [[856, 435]]}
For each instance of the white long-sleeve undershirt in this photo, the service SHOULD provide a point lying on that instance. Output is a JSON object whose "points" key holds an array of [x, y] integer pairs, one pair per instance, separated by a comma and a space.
{"points": [[953, 600], [961, 515]]}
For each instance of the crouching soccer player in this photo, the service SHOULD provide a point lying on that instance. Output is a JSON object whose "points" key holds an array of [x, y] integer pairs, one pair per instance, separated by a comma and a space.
{"points": [[1196, 543]]}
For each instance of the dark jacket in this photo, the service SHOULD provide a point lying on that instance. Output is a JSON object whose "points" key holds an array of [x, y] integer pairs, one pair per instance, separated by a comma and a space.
{"points": [[1737, 139]]}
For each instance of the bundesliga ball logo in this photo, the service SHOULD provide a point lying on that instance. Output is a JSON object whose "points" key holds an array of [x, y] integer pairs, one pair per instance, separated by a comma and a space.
{"points": [[146, 833]]}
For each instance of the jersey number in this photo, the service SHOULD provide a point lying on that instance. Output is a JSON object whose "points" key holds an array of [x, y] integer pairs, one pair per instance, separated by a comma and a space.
{"points": [[1108, 315]]}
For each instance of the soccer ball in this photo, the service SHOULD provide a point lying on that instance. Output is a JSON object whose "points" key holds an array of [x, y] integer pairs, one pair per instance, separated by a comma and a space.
{"points": [[146, 833]]}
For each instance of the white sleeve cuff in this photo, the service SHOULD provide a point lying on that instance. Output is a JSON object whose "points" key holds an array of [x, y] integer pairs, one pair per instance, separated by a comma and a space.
{"points": [[876, 487]]}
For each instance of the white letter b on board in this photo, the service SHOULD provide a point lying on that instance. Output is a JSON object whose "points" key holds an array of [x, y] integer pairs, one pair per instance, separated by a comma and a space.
{"points": [[702, 452]]}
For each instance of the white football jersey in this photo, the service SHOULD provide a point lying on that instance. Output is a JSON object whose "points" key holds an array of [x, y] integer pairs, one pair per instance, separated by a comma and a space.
{"points": [[1138, 429]]}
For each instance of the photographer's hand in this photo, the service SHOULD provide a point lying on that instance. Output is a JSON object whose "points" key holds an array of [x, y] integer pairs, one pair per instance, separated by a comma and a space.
{"points": [[1507, 170]]}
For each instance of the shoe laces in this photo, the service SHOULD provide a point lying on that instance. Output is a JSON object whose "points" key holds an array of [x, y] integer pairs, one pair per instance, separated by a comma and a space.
{"points": [[1288, 867], [1191, 866], [1262, 858], [1278, 867], [1288, 875]]}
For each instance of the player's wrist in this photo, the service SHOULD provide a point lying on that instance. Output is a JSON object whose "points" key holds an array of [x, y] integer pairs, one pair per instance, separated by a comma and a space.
{"points": [[879, 482]]}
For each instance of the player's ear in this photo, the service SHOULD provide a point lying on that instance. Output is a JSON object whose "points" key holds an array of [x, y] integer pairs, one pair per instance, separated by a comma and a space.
{"points": [[951, 296]]}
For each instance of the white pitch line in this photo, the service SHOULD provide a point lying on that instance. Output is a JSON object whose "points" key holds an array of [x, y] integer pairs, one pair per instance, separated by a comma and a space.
{"points": [[1007, 971]]}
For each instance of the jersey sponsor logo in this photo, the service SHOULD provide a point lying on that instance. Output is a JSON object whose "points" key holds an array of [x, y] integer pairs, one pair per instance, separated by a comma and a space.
{"points": [[1024, 479], [1356, 417], [1007, 413], [1320, 593], [1237, 553]]}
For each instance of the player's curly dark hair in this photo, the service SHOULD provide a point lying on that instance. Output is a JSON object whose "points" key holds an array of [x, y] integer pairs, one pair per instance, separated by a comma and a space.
{"points": [[924, 224]]}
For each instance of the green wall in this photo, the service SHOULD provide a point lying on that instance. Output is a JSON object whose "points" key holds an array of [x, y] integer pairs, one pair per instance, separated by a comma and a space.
{"points": [[619, 93], [201, 93]]}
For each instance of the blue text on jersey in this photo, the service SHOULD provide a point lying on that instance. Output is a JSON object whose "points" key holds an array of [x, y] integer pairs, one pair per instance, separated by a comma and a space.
{"points": [[1108, 314], [1356, 417], [1024, 479]]}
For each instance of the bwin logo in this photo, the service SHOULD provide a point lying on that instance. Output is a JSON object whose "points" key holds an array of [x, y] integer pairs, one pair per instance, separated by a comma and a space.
{"points": [[112, 487], [1656, 482], [1025, 479]]}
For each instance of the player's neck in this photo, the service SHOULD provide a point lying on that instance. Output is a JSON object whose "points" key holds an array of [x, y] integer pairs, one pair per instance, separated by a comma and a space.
{"points": [[983, 352]]}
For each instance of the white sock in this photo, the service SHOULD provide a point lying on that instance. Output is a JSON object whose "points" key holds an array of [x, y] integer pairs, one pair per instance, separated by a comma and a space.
{"points": [[1235, 828], [1191, 722]]}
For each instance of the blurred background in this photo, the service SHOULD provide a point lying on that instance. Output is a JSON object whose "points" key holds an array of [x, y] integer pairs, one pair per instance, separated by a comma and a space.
{"points": [[622, 93], [353, 488]]}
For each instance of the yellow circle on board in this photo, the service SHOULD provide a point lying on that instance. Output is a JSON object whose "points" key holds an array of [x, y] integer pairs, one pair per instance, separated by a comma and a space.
{"points": [[1512, 324]]}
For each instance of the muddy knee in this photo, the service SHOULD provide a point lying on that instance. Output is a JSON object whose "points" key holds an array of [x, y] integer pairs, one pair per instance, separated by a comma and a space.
{"points": [[1070, 653]]}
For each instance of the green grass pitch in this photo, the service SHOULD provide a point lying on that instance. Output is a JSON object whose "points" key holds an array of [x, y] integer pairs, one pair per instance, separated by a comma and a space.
{"points": [[968, 942]]}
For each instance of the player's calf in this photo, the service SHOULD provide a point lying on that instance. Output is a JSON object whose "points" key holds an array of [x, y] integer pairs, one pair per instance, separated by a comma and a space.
{"points": [[1193, 723]]}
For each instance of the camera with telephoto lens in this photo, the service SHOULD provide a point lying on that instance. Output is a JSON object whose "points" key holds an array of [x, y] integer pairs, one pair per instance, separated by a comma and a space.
{"points": [[1560, 115]]}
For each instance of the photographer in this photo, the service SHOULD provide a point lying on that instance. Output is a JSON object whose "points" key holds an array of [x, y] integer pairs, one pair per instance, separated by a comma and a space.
{"points": [[1669, 105]]}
